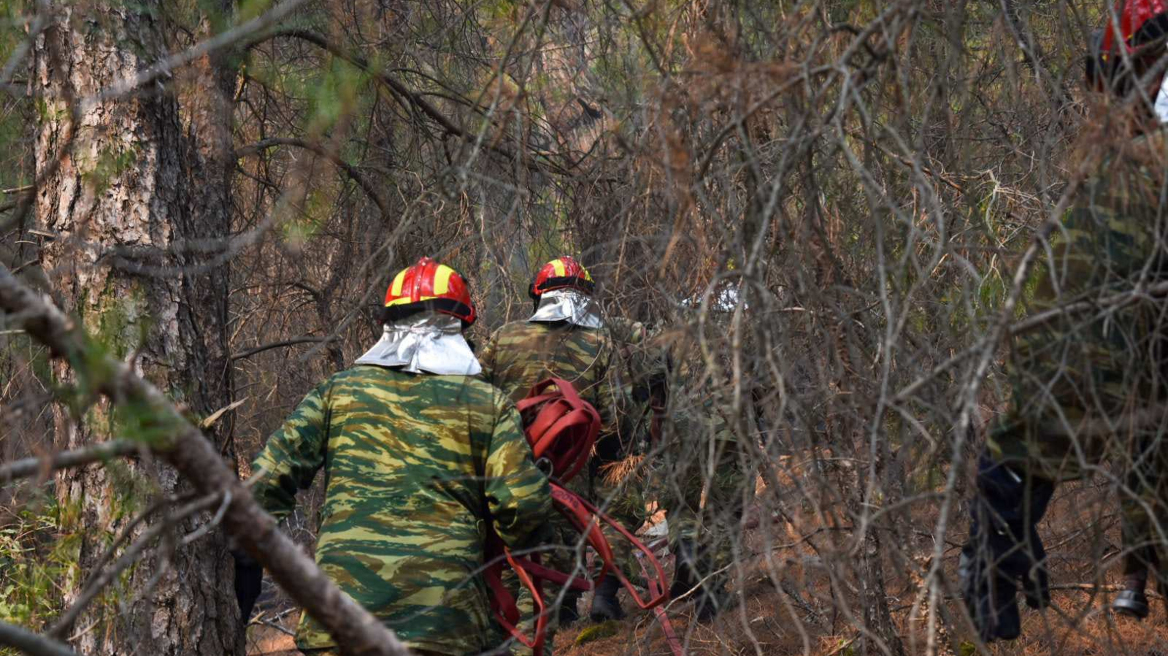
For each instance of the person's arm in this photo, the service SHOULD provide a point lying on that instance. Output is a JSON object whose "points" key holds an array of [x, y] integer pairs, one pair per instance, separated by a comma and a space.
{"points": [[517, 492], [487, 358], [288, 462], [293, 455], [614, 403]]}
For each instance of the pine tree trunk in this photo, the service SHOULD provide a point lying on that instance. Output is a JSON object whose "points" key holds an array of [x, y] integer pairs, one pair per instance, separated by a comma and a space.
{"points": [[125, 182]]}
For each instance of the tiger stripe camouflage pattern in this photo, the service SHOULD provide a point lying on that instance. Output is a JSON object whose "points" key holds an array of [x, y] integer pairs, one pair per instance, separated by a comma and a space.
{"points": [[1099, 368], [521, 354], [415, 465], [1094, 368]]}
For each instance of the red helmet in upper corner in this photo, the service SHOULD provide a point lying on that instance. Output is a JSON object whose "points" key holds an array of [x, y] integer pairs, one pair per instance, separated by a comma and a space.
{"points": [[428, 287], [561, 273], [1140, 32]]}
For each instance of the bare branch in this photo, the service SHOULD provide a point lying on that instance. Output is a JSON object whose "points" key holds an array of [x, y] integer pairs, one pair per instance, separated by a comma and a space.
{"points": [[77, 457], [331, 156], [413, 99], [267, 347]]}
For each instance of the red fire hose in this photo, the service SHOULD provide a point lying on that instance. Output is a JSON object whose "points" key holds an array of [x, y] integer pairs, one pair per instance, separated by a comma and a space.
{"points": [[561, 429]]}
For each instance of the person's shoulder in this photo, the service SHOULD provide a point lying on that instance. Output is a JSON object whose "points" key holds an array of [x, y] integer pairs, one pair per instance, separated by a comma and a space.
{"points": [[472, 400], [362, 374], [366, 381], [518, 332], [521, 326], [474, 390]]}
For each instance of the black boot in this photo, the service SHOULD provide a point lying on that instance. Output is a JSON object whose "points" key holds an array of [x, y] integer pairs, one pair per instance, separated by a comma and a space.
{"points": [[684, 578], [707, 595], [568, 615], [710, 601], [1131, 600], [605, 605]]}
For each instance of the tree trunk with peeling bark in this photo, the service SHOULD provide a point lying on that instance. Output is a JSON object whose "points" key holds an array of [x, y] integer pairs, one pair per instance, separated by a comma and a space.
{"points": [[137, 191]]}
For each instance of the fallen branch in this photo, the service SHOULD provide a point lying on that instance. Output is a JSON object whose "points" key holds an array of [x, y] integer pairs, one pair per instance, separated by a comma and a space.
{"points": [[356, 632], [31, 643]]}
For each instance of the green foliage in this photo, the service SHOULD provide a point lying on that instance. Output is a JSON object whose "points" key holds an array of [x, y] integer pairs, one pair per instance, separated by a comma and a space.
{"points": [[300, 228], [142, 423], [38, 560], [334, 96]]}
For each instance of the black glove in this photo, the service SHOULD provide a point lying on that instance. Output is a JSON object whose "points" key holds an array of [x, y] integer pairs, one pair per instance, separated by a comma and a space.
{"points": [[1004, 549], [249, 578]]}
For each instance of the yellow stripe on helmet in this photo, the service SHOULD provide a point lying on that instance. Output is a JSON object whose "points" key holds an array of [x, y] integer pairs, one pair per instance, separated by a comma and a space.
{"points": [[558, 266], [396, 288], [442, 279]]}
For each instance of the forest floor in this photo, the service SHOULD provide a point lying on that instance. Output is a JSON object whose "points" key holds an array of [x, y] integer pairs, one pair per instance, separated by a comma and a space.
{"points": [[801, 615]]}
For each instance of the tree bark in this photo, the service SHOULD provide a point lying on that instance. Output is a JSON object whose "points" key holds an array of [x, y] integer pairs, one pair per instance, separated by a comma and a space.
{"points": [[143, 172]]}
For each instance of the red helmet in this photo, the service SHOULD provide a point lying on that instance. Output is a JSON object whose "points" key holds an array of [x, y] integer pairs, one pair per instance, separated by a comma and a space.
{"points": [[561, 273], [428, 287], [1141, 23]]}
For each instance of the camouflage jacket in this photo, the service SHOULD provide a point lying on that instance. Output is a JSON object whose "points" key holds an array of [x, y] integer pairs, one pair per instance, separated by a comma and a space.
{"points": [[521, 354], [1093, 366], [416, 465]]}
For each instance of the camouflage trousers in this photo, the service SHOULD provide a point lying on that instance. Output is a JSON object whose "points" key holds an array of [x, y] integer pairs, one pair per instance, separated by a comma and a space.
{"points": [[1142, 461], [705, 484]]}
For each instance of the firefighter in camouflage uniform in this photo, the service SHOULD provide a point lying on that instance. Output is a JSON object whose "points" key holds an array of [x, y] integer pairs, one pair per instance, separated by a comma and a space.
{"points": [[420, 457], [567, 338], [1087, 382], [703, 478]]}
